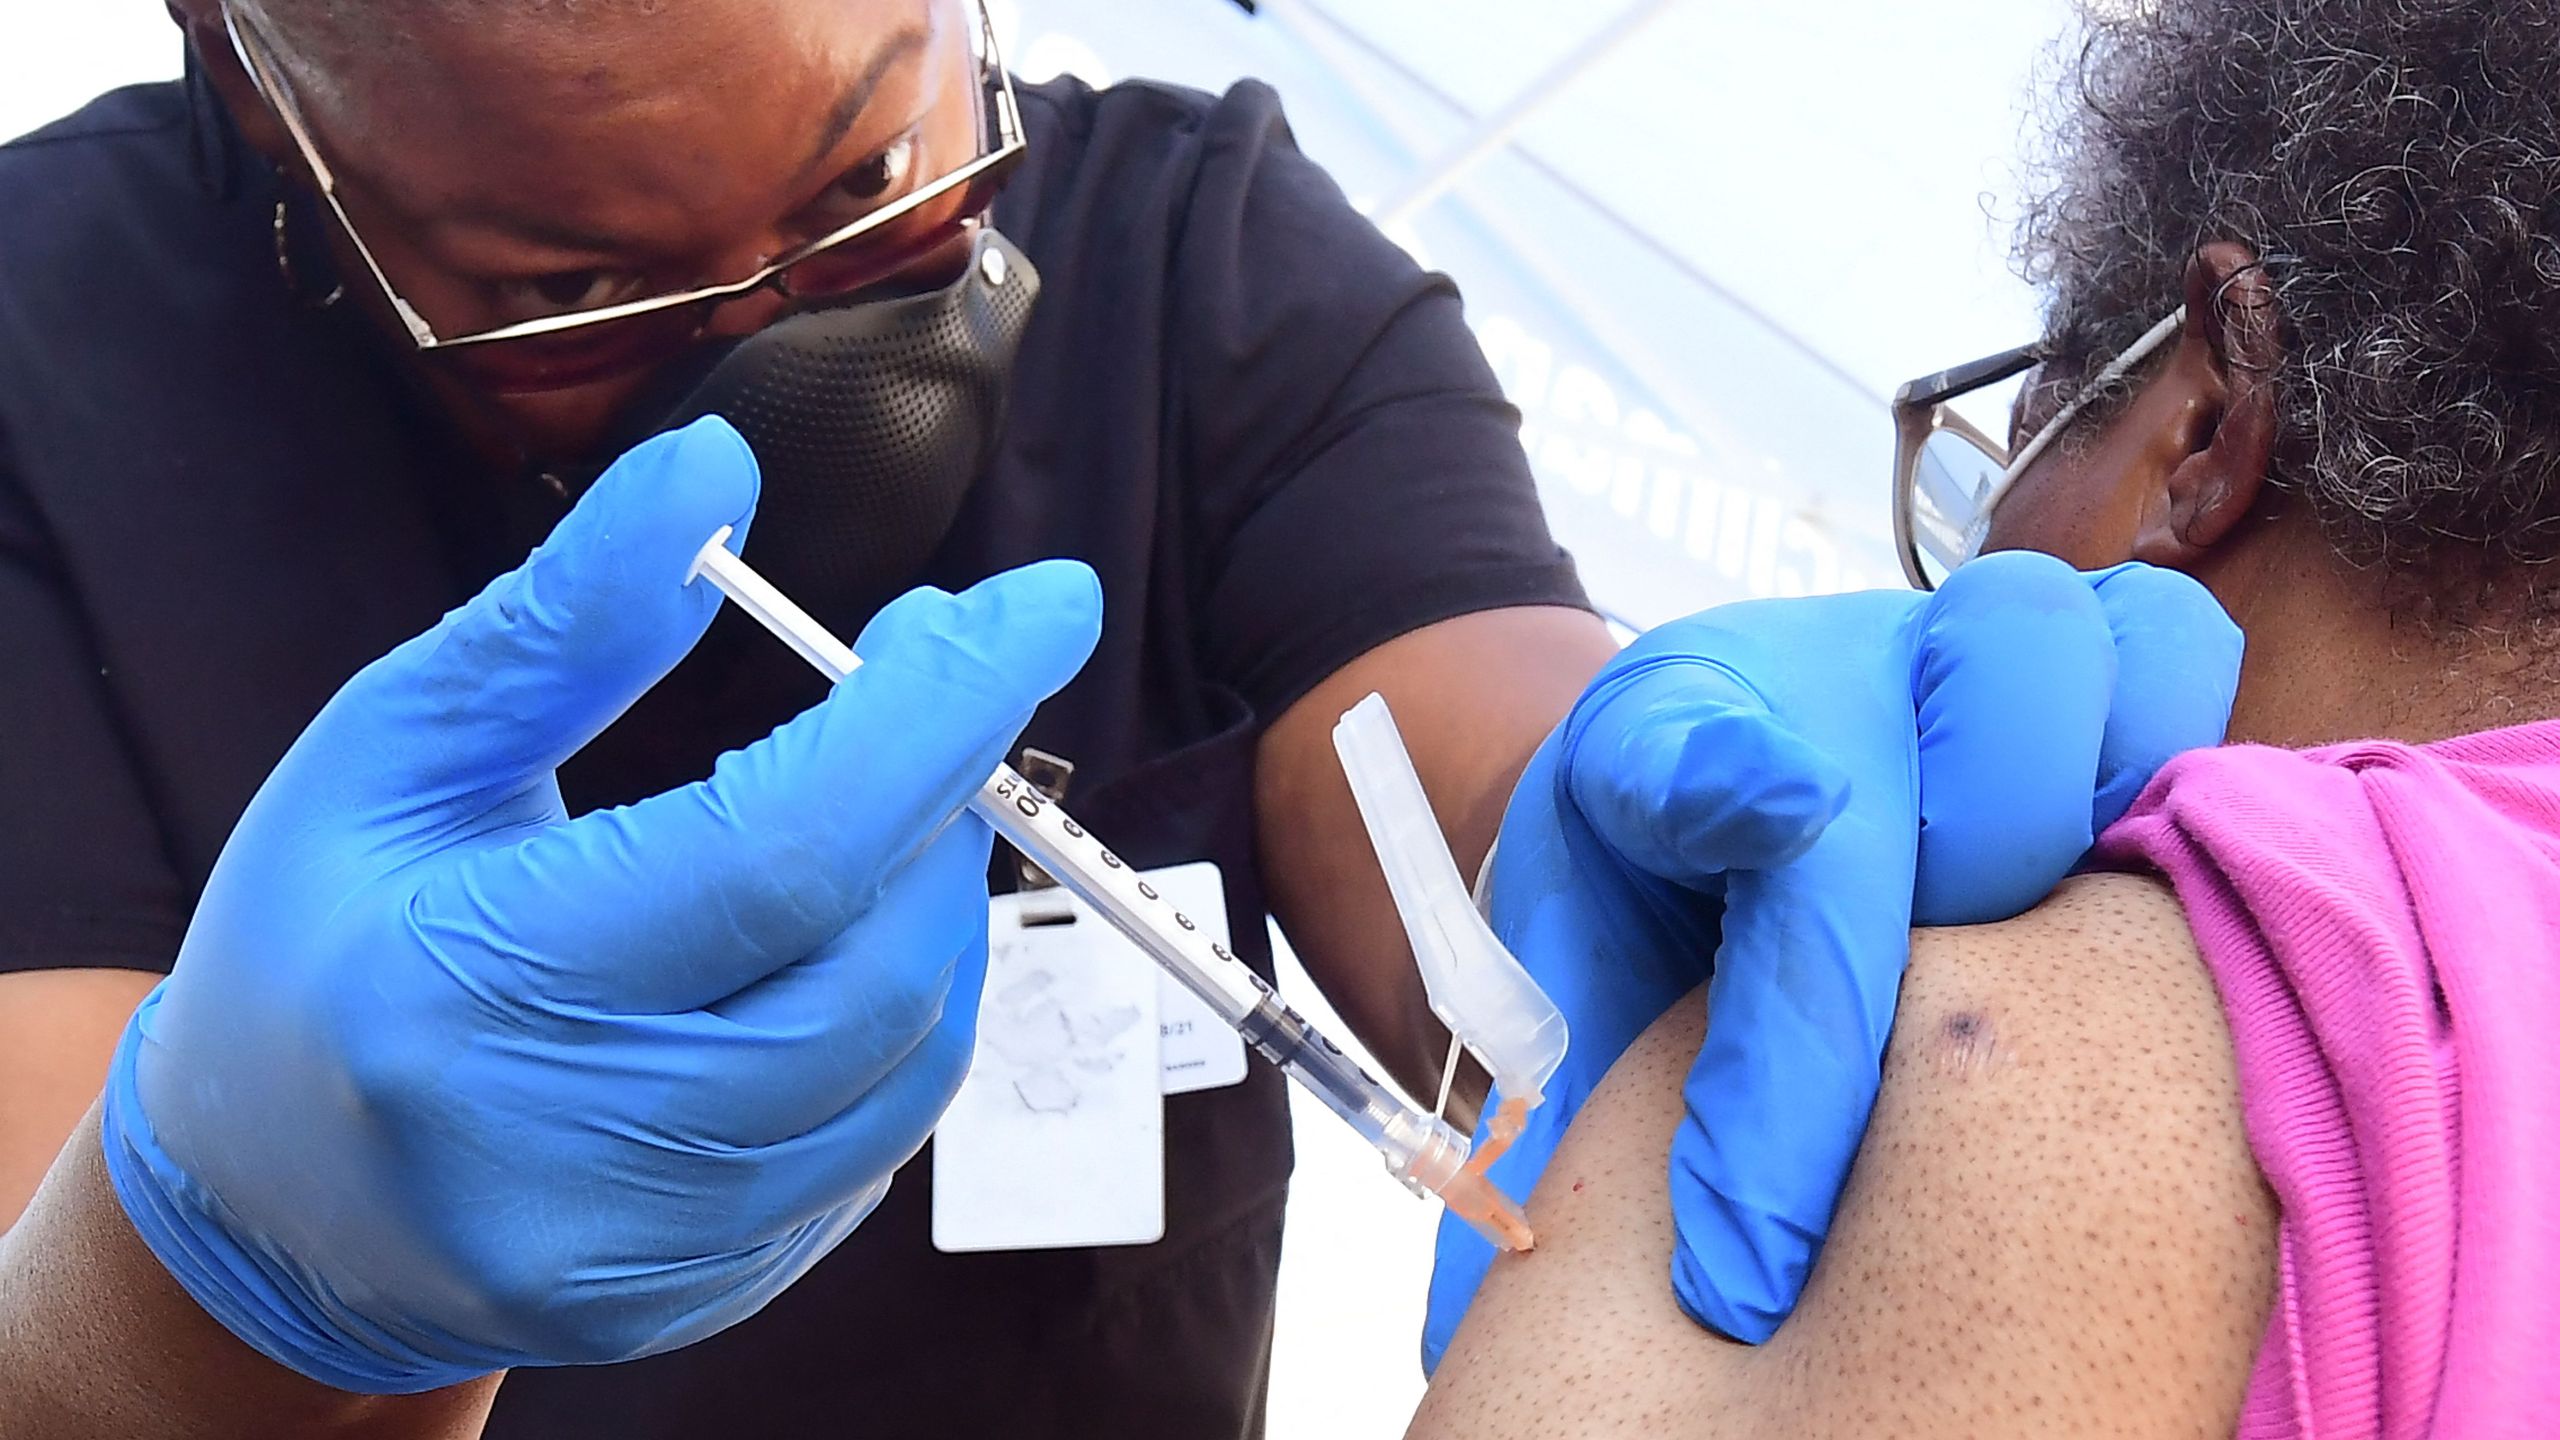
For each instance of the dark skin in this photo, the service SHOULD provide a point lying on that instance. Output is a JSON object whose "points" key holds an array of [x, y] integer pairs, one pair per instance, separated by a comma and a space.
{"points": [[645, 172], [2019, 1251], [2180, 478], [100, 1341], [539, 156]]}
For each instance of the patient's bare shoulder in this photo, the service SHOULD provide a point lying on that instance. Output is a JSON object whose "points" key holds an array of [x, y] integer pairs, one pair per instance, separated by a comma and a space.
{"points": [[2054, 1227]]}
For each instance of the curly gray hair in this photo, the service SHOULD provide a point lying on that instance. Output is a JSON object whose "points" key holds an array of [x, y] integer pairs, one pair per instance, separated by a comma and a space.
{"points": [[2398, 162]]}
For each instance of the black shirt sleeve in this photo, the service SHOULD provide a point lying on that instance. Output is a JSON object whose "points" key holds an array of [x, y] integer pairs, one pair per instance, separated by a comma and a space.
{"points": [[85, 881], [1358, 473]]}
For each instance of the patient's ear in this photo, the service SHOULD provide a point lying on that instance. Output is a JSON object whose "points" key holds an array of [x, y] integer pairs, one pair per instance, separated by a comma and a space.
{"points": [[2224, 431]]}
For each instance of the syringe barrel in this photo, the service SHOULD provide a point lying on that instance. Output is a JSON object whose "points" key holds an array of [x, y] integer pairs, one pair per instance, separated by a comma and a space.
{"points": [[1288, 1041], [1034, 825], [1420, 1150], [1083, 865]]}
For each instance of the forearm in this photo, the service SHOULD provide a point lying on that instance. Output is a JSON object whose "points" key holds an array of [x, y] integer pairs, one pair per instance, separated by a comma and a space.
{"points": [[1473, 697], [96, 1340], [58, 1028], [1352, 941]]}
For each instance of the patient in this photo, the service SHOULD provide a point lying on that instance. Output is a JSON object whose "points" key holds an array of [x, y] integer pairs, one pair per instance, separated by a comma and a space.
{"points": [[2262, 1135]]}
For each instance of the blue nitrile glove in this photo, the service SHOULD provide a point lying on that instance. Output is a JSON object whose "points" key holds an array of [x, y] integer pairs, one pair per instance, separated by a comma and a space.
{"points": [[1787, 787], [445, 1082]]}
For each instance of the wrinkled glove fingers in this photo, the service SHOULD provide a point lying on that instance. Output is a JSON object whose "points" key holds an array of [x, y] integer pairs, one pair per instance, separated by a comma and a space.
{"points": [[1607, 947], [2014, 672], [805, 1192], [1803, 993], [1682, 767], [2010, 674], [688, 897], [884, 1127], [819, 1035], [515, 681], [1797, 1015], [2177, 671]]}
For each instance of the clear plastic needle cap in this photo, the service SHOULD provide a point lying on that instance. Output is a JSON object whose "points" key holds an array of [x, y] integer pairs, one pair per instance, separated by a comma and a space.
{"points": [[1477, 988]]}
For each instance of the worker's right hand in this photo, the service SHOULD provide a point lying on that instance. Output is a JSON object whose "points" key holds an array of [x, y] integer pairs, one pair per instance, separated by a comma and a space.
{"points": [[1767, 796], [446, 1082]]}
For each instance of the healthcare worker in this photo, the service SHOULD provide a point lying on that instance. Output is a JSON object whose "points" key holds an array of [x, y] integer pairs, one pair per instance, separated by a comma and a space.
{"points": [[312, 347]]}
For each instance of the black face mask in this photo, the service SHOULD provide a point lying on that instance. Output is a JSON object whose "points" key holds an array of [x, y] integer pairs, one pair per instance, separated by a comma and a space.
{"points": [[870, 421]]}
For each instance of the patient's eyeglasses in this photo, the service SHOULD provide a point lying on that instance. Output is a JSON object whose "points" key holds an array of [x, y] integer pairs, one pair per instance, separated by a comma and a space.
{"points": [[892, 242], [1948, 476]]}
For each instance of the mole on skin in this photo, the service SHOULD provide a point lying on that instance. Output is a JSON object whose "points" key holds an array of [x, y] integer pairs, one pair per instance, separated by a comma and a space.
{"points": [[1967, 1042]]}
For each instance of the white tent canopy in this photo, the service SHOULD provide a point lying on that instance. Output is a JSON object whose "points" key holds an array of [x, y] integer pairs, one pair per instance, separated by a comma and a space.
{"points": [[1701, 243]]}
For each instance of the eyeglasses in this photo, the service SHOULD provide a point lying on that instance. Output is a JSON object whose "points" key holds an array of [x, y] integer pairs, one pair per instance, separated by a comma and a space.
{"points": [[1948, 476], [889, 243]]}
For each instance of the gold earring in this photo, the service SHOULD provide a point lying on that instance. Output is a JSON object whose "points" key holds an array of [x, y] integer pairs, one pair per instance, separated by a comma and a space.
{"points": [[285, 271]]}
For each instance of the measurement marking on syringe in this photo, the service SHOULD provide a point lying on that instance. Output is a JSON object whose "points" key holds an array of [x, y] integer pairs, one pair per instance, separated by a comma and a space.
{"points": [[1419, 1149], [1033, 805]]}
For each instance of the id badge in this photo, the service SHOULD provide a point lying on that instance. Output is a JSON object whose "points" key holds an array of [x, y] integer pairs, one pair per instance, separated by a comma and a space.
{"points": [[1056, 1138]]}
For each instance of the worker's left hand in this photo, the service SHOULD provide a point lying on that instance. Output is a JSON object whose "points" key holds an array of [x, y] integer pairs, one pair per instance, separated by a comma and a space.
{"points": [[447, 1082], [1765, 798]]}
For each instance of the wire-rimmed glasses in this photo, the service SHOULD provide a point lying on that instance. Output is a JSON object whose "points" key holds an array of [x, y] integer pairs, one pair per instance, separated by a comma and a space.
{"points": [[574, 345], [1948, 476]]}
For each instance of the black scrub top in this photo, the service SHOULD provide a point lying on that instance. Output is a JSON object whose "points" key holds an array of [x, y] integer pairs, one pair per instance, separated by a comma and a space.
{"points": [[1270, 433]]}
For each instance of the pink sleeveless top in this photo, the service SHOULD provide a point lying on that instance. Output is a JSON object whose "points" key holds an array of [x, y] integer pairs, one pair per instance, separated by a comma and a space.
{"points": [[2383, 923]]}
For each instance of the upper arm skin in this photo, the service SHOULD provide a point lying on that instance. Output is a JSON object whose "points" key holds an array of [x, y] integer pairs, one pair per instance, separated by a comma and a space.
{"points": [[2053, 1228], [58, 1029], [1473, 697]]}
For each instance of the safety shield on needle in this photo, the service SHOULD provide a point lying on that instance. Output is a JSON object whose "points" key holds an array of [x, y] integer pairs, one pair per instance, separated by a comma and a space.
{"points": [[1476, 986], [1421, 1151]]}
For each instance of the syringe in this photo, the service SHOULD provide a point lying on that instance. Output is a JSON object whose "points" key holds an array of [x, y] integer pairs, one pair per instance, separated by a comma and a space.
{"points": [[1423, 1151]]}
